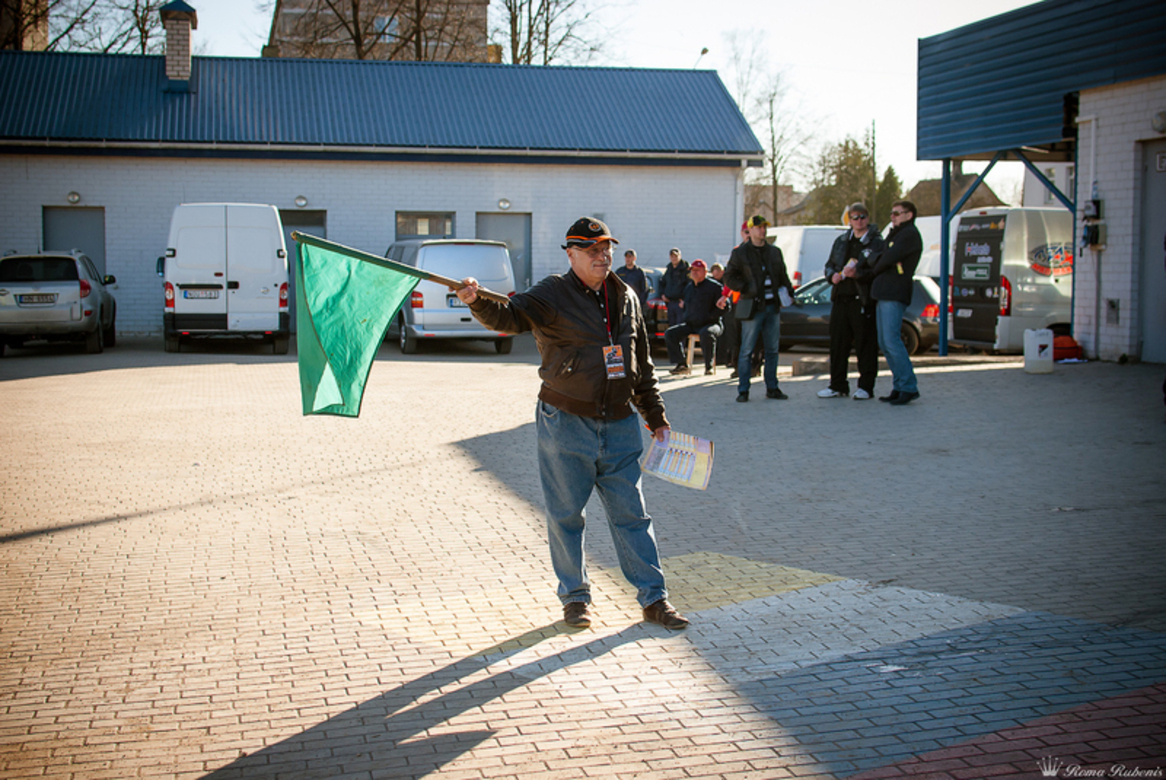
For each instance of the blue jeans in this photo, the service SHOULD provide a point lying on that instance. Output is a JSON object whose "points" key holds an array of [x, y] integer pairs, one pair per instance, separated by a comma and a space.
{"points": [[890, 319], [766, 322], [578, 454]]}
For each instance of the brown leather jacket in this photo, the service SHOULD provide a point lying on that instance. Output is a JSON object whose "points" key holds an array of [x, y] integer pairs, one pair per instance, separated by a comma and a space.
{"points": [[571, 333]]}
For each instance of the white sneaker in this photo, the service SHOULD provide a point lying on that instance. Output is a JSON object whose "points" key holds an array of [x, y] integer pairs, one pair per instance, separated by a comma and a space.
{"points": [[861, 395], [829, 393]]}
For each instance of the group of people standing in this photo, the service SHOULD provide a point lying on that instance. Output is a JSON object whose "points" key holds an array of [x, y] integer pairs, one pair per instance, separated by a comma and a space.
{"points": [[872, 279]]}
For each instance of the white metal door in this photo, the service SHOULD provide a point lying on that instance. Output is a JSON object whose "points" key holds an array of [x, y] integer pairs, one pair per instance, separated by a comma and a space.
{"points": [[255, 270], [1153, 286]]}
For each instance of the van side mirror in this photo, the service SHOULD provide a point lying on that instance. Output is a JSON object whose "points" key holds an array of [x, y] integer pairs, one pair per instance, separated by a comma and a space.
{"points": [[161, 267]]}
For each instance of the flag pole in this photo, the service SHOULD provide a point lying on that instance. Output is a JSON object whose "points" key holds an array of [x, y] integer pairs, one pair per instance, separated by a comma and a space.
{"points": [[384, 262]]}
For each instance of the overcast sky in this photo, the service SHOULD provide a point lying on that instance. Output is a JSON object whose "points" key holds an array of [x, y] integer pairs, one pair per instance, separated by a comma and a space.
{"points": [[846, 63]]}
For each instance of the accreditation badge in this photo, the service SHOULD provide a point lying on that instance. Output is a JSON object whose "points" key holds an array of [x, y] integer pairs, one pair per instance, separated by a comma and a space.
{"points": [[613, 359]]}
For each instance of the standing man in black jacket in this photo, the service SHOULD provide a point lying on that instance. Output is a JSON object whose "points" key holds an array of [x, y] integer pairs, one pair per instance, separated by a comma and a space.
{"points": [[892, 286], [672, 284], [757, 270], [596, 374], [702, 316], [852, 312]]}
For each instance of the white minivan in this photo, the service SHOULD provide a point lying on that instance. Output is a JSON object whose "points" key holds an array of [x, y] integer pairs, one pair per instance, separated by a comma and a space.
{"points": [[434, 311], [1012, 271], [805, 248], [225, 274]]}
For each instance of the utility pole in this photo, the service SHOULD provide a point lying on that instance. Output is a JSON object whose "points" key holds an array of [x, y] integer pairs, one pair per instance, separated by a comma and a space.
{"points": [[874, 170]]}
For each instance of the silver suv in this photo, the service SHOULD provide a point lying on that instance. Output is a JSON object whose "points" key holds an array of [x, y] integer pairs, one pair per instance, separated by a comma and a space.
{"points": [[55, 296], [434, 311]]}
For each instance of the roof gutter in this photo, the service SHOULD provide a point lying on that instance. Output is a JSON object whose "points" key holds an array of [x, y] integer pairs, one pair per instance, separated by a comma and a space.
{"points": [[752, 160]]}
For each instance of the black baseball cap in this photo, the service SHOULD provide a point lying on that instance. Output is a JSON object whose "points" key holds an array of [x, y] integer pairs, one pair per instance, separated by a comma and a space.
{"points": [[586, 232]]}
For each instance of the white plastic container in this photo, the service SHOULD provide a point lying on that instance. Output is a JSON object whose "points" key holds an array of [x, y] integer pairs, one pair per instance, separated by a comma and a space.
{"points": [[1038, 351]]}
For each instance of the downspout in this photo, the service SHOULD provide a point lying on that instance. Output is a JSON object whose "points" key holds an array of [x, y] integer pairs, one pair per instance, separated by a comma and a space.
{"points": [[944, 232], [1092, 120]]}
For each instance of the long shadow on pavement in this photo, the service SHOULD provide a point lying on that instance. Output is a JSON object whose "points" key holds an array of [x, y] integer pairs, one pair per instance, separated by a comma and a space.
{"points": [[386, 734]]}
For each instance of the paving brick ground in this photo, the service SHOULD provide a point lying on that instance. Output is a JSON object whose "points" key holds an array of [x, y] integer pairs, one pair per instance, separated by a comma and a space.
{"points": [[197, 582]]}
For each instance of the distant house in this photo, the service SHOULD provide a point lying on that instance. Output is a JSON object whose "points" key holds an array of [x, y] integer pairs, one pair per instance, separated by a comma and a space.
{"points": [[926, 194], [438, 30], [97, 150], [759, 200]]}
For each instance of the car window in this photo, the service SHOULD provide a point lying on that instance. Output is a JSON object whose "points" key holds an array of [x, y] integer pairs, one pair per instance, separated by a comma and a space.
{"points": [[485, 262], [813, 293], [38, 269]]}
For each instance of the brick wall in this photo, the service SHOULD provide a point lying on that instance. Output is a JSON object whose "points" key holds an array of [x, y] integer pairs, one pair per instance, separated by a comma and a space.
{"points": [[649, 208], [1109, 153]]}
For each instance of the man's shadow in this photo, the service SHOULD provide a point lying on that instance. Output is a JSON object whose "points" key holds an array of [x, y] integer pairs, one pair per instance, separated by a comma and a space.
{"points": [[387, 733]]}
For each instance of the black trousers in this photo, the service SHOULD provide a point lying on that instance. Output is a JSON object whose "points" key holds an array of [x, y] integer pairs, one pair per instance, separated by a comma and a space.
{"points": [[852, 326], [675, 337]]}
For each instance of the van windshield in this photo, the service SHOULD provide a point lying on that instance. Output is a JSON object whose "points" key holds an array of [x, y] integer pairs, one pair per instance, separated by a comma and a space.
{"points": [[458, 261]]}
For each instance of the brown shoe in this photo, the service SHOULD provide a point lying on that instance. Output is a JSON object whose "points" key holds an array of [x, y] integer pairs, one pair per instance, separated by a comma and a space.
{"points": [[664, 614], [577, 614]]}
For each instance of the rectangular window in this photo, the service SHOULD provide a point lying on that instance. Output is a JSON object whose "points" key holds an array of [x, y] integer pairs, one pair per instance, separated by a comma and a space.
{"points": [[424, 224]]}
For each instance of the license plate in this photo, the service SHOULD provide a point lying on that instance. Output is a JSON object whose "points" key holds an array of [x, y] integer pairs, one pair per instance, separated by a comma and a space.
{"points": [[456, 302], [38, 298], [200, 293]]}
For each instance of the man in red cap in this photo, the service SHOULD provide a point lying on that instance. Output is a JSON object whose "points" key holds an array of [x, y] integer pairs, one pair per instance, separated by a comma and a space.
{"points": [[596, 374], [701, 316]]}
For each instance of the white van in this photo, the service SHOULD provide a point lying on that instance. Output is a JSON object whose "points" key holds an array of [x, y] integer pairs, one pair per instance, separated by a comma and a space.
{"points": [[1012, 271], [434, 311], [225, 274], [929, 261], [806, 248]]}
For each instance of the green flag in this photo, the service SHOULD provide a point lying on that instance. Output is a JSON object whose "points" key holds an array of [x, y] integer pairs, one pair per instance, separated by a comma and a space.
{"points": [[345, 300]]}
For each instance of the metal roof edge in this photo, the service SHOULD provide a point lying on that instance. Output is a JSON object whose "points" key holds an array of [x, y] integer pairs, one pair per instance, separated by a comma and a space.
{"points": [[321, 151]]}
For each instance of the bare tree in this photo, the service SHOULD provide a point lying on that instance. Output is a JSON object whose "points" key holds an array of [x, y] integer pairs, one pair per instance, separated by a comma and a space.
{"points": [[783, 129], [381, 29], [546, 32], [108, 26]]}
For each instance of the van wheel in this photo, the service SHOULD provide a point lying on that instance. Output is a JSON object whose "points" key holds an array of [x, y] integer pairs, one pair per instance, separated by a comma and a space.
{"points": [[910, 338], [408, 343], [172, 344], [95, 341], [279, 345], [503, 346]]}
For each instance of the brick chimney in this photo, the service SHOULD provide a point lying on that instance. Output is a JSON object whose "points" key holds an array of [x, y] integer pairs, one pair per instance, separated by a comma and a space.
{"points": [[179, 19]]}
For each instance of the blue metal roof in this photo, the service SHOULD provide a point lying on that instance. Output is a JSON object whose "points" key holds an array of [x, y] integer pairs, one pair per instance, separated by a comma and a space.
{"points": [[1001, 83], [53, 98]]}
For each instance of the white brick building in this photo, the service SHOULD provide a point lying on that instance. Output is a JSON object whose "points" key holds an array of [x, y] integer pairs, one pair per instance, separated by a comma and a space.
{"points": [[1120, 303], [103, 147]]}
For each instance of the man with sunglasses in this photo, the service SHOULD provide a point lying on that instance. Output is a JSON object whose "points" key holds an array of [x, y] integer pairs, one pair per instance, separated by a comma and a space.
{"points": [[596, 374], [852, 311], [892, 286]]}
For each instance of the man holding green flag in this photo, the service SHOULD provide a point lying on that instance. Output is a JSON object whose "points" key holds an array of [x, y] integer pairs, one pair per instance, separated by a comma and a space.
{"points": [[596, 373]]}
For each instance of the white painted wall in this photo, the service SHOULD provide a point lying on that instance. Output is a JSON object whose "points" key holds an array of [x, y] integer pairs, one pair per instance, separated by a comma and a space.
{"points": [[1112, 122], [648, 208]]}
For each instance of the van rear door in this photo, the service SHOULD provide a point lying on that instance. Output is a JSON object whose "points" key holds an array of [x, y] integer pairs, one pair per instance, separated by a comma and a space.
{"points": [[975, 293], [198, 269], [256, 267]]}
